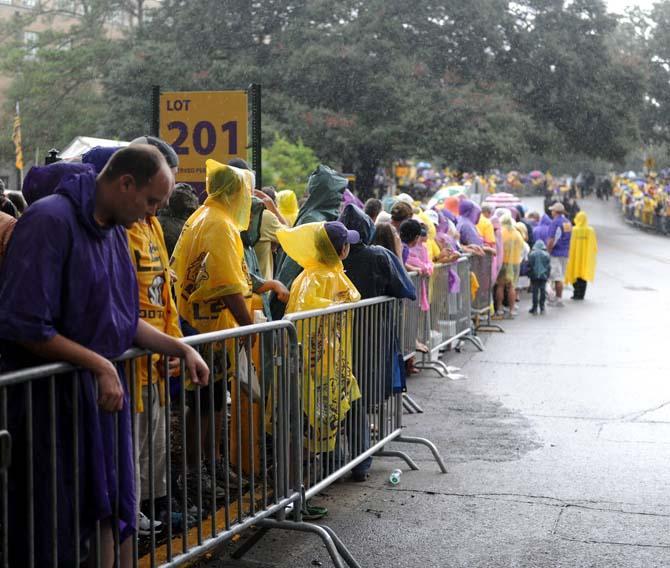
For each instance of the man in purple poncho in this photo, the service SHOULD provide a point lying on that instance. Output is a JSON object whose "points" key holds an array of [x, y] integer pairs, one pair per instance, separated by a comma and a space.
{"points": [[68, 293], [471, 240]]}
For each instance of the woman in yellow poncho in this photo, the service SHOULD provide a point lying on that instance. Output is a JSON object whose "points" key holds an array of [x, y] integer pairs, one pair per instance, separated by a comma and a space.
{"points": [[581, 266], [329, 386], [287, 203]]}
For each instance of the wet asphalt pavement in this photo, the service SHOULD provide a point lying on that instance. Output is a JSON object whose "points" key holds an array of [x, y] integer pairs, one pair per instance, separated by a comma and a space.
{"points": [[557, 443]]}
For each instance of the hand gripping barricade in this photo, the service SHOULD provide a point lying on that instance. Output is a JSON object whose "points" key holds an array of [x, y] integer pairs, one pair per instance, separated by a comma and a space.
{"points": [[287, 438], [482, 268]]}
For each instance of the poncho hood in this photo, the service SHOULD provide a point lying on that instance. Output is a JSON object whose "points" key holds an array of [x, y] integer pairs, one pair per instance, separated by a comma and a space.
{"points": [[581, 219], [470, 211], [349, 197], [309, 246], [287, 203], [539, 245], [325, 190], [98, 157], [43, 180], [232, 188], [356, 220]]}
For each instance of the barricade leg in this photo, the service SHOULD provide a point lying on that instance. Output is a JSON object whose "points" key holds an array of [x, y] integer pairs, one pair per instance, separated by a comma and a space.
{"points": [[416, 440], [336, 548], [489, 326], [424, 442], [476, 341], [426, 362], [410, 404]]}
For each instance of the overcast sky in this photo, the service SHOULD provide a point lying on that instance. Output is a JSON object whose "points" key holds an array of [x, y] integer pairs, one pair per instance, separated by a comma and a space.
{"points": [[619, 6]]}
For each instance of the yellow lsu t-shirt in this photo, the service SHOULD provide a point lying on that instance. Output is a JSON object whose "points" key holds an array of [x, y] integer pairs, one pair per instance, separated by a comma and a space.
{"points": [[157, 306]]}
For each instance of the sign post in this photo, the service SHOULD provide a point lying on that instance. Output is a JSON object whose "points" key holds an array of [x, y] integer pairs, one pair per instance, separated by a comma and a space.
{"points": [[200, 125], [257, 163]]}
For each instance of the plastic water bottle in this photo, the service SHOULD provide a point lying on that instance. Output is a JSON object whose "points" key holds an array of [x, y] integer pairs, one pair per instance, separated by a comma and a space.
{"points": [[394, 478]]}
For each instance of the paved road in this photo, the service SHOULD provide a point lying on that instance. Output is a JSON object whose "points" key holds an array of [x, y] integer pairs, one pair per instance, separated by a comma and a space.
{"points": [[558, 443]]}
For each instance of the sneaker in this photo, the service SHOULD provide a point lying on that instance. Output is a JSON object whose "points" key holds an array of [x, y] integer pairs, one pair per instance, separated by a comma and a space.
{"points": [[144, 525], [532, 312], [359, 476], [205, 485], [233, 479]]}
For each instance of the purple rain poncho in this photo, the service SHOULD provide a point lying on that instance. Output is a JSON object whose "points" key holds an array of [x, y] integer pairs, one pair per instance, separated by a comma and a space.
{"points": [[67, 275], [541, 231], [469, 213]]}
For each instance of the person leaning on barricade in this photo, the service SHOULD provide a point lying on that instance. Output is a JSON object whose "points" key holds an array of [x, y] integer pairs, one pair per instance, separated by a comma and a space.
{"points": [[68, 292], [375, 272], [157, 307], [330, 386], [214, 293]]}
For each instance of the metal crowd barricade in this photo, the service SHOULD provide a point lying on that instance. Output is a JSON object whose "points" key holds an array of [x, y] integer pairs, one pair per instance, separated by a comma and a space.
{"points": [[409, 333], [481, 267], [351, 409], [211, 488], [449, 319], [304, 410], [411, 320]]}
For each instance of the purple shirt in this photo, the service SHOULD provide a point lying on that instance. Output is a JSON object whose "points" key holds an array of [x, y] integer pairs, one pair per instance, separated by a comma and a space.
{"points": [[64, 274], [560, 230]]}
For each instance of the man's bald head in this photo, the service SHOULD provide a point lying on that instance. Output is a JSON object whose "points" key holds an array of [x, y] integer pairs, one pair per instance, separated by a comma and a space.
{"points": [[136, 181], [139, 160]]}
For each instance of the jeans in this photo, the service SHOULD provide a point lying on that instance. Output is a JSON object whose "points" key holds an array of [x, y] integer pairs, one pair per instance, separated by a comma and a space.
{"points": [[358, 439], [539, 289]]}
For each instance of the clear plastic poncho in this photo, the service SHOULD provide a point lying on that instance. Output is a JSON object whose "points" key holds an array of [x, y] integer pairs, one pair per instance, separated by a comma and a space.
{"points": [[329, 385]]}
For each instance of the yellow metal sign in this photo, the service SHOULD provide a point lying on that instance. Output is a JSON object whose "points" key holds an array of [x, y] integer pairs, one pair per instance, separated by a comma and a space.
{"points": [[201, 125]]}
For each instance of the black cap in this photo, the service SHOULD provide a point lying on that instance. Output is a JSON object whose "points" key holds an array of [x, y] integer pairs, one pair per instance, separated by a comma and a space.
{"points": [[168, 151]]}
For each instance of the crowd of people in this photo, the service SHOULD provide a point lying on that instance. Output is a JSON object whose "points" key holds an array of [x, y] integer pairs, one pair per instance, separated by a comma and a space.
{"points": [[110, 253], [644, 198]]}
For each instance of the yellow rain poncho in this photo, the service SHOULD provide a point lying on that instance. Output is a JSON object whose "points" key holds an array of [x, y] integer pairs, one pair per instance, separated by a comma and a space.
{"points": [[431, 244], [485, 228], [329, 385], [287, 203], [583, 251], [209, 257]]}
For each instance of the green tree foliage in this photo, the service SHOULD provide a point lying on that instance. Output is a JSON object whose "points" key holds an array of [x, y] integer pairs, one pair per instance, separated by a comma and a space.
{"points": [[481, 83], [285, 165], [56, 76]]}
